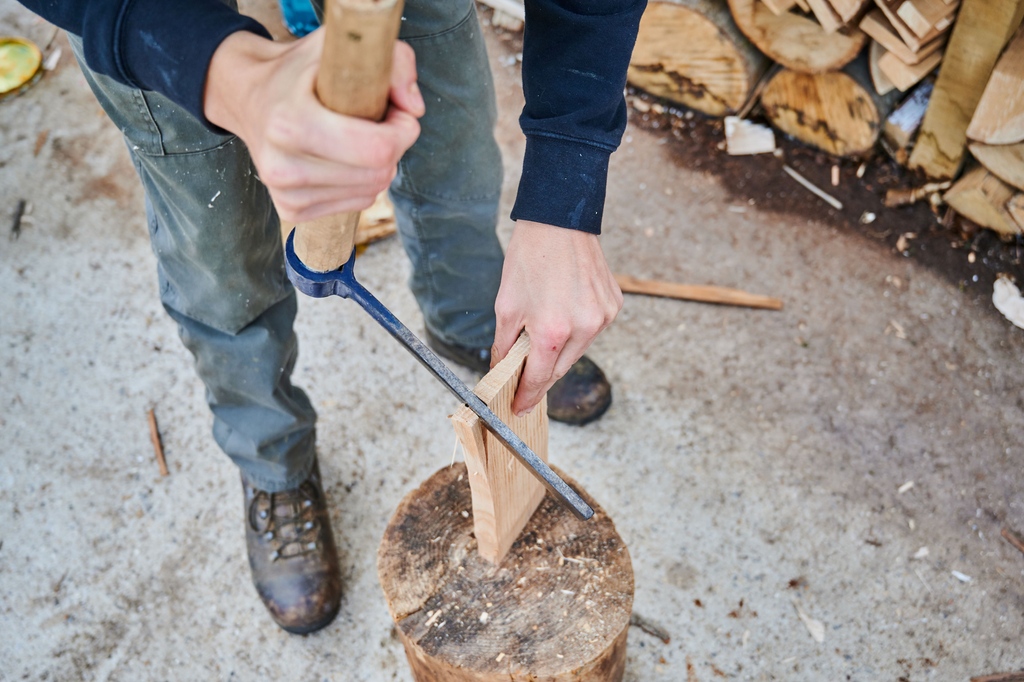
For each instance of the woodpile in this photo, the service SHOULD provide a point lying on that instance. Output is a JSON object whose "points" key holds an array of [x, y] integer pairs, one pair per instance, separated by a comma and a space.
{"points": [[928, 79]]}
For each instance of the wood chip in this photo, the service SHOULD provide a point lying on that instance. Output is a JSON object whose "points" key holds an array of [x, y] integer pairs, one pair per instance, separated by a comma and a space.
{"points": [[961, 576], [743, 137], [158, 446], [650, 628], [905, 487], [827, 198], [1007, 299], [815, 627], [1013, 538]]}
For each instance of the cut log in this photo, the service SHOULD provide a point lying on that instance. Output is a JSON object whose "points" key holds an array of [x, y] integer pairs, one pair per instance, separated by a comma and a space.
{"points": [[505, 493], [902, 124], [839, 112], [797, 42], [557, 608], [982, 197], [915, 42], [878, 27], [1005, 161], [999, 118], [904, 76], [691, 52], [883, 85], [981, 31]]}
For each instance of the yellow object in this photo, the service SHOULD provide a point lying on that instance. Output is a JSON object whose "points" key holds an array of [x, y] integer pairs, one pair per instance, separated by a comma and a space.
{"points": [[21, 62]]}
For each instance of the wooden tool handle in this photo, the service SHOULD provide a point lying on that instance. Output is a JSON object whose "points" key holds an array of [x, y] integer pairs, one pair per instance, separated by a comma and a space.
{"points": [[354, 77]]}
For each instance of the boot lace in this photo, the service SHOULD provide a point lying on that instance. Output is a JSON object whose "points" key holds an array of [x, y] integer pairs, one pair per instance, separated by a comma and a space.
{"points": [[286, 521]]}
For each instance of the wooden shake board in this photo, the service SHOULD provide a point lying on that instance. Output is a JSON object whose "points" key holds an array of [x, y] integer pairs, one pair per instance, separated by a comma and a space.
{"points": [[505, 493], [556, 609]]}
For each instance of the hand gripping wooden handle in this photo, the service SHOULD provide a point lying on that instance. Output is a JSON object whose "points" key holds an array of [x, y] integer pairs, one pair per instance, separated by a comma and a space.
{"points": [[354, 78]]}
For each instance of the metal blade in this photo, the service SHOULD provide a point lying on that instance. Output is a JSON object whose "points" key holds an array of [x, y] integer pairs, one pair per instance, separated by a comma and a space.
{"points": [[552, 481]]}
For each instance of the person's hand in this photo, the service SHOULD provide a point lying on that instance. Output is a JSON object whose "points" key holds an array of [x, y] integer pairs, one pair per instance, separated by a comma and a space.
{"points": [[314, 162], [557, 286]]}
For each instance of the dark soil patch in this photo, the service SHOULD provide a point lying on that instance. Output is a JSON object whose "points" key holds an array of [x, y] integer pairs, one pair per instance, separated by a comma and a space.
{"points": [[944, 240]]}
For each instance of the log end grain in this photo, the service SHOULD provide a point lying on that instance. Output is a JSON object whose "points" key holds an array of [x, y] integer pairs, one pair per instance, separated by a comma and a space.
{"points": [[694, 56], [797, 42], [556, 608]]}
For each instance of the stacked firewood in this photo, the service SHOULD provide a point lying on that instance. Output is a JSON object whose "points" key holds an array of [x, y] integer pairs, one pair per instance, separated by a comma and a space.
{"points": [[830, 73]]}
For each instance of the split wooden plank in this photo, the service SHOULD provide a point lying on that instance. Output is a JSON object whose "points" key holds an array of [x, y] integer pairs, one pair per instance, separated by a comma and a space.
{"points": [[982, 197], [779, 6], [999, 118], [1005, 161], [693, 292], [983, 28], [881, 82], [924, 16], [825, 15], [878, 27], [904, 76], [505, 493], [915, 42], [848, 9]]}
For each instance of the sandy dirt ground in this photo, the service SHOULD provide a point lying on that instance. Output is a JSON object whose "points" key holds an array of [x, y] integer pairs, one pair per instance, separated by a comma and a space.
{"points": [[752, 460]]}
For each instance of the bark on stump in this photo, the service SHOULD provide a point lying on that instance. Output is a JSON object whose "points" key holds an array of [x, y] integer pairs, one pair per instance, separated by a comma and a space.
{"points": [[556, 609], [690, 52]]}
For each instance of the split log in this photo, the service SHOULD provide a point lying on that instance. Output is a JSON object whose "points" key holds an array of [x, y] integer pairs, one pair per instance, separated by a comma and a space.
{"points": [[902, 124], [999, 118], [924, 16], [981, 31], [883, 85], [839, 112], [905, 76], [848, 9], [557, 608], [982, 197], [797, 42], [1005, 161], [690, 52], [779, 6], [878, 27], [826, 16], [915, 42]]}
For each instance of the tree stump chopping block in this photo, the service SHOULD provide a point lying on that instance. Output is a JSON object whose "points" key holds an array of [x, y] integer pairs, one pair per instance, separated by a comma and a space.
{"points": [[556, 608]]}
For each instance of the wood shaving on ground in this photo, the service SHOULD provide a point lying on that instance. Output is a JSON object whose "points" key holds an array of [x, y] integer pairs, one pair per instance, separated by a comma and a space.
{"points": [[815, 627], [912, 195], [961, 576], [810, 187], [905, 487], [1013, 538], [1000, 677], [1007, 300], [921, 553]]}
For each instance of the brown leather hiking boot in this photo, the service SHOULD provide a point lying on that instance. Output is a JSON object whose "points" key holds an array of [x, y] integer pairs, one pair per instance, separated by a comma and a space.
{"points": [[578, 398], [292, 554]]}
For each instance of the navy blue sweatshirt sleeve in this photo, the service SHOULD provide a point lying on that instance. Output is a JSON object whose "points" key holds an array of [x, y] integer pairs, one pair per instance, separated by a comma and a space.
{"points": [[159, 45], [575, 54]]}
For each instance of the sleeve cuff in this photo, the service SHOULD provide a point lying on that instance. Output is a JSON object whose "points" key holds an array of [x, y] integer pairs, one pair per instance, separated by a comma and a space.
{"points": [[563, 184]]}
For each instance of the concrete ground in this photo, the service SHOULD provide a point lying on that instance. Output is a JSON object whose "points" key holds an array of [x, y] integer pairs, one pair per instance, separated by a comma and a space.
{"points": [[752, 460]]}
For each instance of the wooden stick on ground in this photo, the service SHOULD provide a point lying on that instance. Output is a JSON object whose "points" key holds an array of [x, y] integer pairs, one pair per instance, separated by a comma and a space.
{"points": [[693, 292], [1013, 538], [813, 189], [1000, 677], [158, 446]]}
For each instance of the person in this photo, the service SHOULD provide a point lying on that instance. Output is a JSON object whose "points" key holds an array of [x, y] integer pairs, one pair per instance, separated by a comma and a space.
{"points": [[228, 138]]}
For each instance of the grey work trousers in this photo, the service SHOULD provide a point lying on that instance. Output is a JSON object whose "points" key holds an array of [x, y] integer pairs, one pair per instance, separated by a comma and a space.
{"points": [[217, 238]]}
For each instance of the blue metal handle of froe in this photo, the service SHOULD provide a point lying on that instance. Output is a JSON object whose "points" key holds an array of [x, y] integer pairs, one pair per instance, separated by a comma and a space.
{"points": [[342, 282]]}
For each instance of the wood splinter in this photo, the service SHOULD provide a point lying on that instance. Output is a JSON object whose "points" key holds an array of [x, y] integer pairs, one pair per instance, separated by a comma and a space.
{"points": [[696, 292], [158, 446]]}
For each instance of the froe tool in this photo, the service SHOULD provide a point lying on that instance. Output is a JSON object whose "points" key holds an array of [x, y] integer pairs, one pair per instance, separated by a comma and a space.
{"points": [[354, 80]]}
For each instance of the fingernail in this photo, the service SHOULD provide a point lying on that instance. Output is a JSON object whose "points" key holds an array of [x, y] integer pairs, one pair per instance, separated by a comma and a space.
{"points": [[528, 411]]}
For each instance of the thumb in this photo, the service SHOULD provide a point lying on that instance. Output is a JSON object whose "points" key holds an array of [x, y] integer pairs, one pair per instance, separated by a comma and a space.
{"points": [[506, 333]]}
